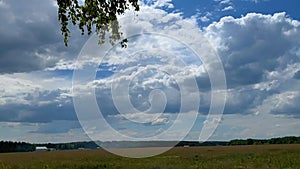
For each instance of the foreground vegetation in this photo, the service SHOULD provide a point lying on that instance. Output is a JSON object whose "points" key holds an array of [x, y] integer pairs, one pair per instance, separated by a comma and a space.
{"points": [[221, 157]]}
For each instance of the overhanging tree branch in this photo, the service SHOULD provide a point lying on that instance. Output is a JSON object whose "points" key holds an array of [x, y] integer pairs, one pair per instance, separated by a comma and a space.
{"points": [[100, 14]]}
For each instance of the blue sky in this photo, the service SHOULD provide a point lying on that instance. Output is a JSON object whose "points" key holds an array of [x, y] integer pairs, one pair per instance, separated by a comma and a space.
{"points": [[256, 42], [240, 7]]}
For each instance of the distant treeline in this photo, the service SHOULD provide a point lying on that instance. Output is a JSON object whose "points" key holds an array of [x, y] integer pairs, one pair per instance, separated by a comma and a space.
{"points": [[282, 140], [9, 146], [70, 146], [142, 144], [197, 143]]}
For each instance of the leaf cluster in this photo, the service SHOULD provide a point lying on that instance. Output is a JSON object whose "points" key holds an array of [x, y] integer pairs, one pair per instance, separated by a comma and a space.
{"points": [[98, 14]]}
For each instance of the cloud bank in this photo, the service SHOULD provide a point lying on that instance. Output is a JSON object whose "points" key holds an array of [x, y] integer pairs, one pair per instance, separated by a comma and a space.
{"points": [[260, 55]]}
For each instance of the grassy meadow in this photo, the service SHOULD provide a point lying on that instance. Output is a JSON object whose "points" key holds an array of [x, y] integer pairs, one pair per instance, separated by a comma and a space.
{"points": [[219, 157]]}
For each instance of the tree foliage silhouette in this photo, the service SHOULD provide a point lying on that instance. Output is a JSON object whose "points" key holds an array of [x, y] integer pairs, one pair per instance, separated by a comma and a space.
{"points": [[98, 14]]}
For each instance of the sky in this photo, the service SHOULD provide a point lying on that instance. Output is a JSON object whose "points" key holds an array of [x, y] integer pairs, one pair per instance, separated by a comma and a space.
{"points": [[225, 68]]}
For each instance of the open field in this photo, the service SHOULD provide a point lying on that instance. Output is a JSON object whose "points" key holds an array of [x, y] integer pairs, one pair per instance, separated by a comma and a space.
{"points": [[220, 157]]}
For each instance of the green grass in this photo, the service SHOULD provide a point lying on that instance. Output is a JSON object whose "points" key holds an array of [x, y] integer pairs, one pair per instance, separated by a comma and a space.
{"points": [[223, 157]]}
